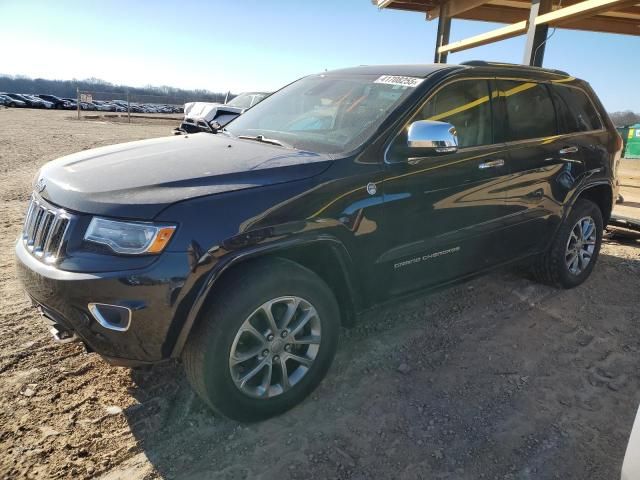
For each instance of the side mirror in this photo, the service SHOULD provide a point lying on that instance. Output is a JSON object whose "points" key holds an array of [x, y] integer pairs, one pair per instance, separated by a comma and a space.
{"points": [[440, 137]]}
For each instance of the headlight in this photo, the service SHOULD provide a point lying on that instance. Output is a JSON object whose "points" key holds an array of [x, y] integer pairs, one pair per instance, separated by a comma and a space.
{"points": [[129, 237]]}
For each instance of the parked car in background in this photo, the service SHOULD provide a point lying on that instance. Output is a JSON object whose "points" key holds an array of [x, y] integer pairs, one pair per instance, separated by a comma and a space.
{"points": [[206, 116], [242, 251], [102, 106], [31, 102], [11, 102], [38, 102], [56, 101], [70, 104]]}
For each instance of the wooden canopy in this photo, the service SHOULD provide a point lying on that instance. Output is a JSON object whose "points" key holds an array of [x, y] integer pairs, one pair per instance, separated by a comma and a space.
{"points": [[612, 17], [531, 17]]}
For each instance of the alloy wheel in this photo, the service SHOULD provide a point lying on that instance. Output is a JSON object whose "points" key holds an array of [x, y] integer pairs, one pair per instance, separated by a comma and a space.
{"points": [[275, 347], [581, 245]]}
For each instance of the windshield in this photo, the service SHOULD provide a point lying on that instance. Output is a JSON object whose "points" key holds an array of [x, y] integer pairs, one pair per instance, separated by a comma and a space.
{"points": [[241, 101], [324, 113]]}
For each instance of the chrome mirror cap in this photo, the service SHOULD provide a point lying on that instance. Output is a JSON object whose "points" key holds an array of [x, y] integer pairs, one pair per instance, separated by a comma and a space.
{"points": [[439, 136]]}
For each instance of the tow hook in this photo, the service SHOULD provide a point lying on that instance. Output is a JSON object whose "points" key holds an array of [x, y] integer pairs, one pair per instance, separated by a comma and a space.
{"points": [[63, 335]]}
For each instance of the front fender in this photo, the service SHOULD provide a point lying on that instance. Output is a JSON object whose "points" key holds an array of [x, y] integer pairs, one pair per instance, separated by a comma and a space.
{"points": [[221, 264]]}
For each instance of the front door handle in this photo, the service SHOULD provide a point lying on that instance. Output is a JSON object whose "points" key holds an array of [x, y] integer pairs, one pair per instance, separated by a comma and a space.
{"points": [[491, 164], [565, 150]]}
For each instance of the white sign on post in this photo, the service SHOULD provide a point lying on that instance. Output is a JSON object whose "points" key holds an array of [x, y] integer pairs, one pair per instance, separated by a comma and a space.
{"points": [[86, 97]]}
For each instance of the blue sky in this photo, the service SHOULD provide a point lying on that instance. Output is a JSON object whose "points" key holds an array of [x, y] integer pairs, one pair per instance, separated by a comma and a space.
{"points": [[261, 45]]}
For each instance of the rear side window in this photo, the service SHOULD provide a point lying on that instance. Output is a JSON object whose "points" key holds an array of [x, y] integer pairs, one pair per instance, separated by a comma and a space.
{"points": [[530, 112], [467, 106], [576, 113]]}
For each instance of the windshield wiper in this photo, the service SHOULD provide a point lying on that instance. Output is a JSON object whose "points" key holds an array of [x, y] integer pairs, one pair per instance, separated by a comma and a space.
{"points": [[263, 139]]}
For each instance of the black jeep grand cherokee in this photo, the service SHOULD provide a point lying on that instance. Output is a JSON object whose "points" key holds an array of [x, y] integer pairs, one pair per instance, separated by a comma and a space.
{"points": [[242, 252]]}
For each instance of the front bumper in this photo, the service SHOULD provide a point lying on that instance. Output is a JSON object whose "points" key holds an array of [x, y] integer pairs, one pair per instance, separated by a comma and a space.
{"points": [[152, 294]]}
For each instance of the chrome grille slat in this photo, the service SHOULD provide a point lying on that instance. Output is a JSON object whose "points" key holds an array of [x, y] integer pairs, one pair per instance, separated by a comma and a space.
{"points": [[46, 249], [33, 228], [45, 230], [40, 230], [64, 229], [29, 217]]}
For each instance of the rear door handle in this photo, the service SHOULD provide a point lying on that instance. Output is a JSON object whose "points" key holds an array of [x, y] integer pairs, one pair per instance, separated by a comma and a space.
{"points": [[491, 164], [565, 150]]}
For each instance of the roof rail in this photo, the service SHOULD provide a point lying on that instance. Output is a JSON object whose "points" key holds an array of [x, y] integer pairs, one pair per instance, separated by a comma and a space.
{"points": [[482, 63]]}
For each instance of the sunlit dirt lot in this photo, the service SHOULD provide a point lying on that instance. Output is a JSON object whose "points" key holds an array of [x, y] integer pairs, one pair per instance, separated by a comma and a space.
{"points": [[496, 378]]}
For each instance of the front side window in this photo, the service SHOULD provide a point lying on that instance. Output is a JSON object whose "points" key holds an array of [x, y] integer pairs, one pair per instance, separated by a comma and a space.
{"points": [[466, 105], [575, 111], [325, 113], [529, 110]]}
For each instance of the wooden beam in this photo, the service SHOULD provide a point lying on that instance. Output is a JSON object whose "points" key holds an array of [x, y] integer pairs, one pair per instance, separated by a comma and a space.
{"points": [[605, 25], [493, 36], [408, 5], [585, 9], [626, 15], [493, 14], [456, 7], [598, 23]]}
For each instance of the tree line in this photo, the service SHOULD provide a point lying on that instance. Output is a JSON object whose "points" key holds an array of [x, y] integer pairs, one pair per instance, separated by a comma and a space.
{"points": [[104, 90], [622, 119]]}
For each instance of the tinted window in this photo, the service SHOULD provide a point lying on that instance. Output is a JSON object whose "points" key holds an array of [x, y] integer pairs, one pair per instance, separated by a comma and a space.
{"points": [[530, 112], [466, 105], [575, 110]]}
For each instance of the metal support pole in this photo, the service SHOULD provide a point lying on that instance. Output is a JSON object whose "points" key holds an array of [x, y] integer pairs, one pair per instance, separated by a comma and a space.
{"points": [[128, 107], [78, 101], [444, 28], [536, 35]]}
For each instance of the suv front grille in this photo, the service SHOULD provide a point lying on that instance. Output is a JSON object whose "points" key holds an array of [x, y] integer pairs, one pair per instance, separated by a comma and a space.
{"points": [[45, 230]]}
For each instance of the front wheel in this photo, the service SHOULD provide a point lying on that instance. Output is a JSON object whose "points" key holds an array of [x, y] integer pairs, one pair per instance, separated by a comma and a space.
{"points": [[575, 249], [265, 342]]}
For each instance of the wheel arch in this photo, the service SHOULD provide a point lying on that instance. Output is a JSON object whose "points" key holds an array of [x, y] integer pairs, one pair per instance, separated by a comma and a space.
{"points": [[326, 257], [602, 195]]}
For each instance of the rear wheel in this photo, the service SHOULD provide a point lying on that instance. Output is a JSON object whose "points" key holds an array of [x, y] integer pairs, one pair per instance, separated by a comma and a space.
{"points": [[265, 342], [575, 249]]}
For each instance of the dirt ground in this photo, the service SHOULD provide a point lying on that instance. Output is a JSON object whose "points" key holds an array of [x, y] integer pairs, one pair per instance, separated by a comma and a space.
{"points": [[498, 378]]}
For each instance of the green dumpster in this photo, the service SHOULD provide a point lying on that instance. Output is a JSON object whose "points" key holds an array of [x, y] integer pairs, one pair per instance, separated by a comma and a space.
{"points": [[624, 133], [633, 142]]}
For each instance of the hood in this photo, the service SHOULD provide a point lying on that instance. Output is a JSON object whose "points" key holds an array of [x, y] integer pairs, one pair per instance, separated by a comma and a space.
{"points": [[139, 179], [199, 109], [208, 111]]}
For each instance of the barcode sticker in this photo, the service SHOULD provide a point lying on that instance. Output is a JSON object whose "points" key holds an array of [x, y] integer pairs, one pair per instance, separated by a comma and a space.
{"points": [[399, 80]]}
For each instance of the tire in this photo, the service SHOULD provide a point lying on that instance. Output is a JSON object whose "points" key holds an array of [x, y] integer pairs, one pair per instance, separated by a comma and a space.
{"points": [[242, 298], [558, 266]]}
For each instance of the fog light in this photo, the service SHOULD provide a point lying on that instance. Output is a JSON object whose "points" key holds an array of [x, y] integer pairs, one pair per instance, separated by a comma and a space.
{"points": [[113, 317]]}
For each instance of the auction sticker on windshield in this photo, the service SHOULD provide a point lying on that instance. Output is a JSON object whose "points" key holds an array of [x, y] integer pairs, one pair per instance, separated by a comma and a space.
{"points": [[399, 80]]}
